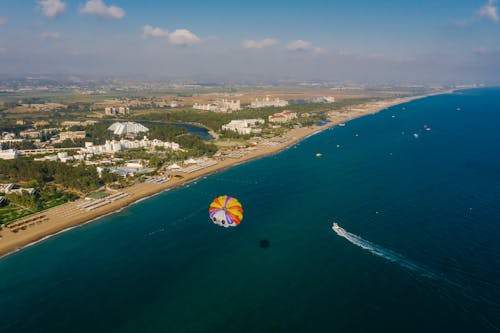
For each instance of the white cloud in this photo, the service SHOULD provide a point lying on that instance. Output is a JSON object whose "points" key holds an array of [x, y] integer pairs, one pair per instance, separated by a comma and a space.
{"points": [[50, 35], [490, 11], [299, 45], [150, 31], [259, 44], [180, 37], [319, 50], [99, 8], [3, 21], [52, 8], [183, 37]]}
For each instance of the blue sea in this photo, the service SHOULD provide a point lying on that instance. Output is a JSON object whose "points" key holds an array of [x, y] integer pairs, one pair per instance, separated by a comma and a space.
{"points": [[420, 249]]}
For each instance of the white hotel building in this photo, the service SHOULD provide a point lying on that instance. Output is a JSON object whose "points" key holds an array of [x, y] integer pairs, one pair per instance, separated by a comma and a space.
{"points": [[244, 126], [8, 154], [223, 105], [268, 102], [114, 146]]}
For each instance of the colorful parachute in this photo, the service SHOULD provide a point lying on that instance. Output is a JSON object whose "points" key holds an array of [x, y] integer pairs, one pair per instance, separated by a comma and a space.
{"points": [[226, 211]]}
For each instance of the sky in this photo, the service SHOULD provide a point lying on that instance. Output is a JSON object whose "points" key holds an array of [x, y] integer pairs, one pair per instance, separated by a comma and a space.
{"points": [[260, 40]]}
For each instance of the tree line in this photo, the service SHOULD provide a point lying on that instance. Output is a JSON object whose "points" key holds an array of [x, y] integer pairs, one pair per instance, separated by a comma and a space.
{"points": [[79, 177]]}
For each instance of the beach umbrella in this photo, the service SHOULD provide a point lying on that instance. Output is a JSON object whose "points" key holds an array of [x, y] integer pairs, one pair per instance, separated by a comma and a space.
{"points": [[226, 211]]}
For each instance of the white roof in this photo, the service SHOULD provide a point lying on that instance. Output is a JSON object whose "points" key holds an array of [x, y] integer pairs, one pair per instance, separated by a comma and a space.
{"points": [[127, 128], [174, 166]]}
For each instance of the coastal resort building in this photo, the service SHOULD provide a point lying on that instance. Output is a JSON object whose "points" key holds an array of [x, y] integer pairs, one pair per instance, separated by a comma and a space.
{"points": [[282, 117], [113, 146], [9, 137], [16, 189], [174, 166], [8, 154], [71, 135], [322, 99], [268, 102], [116, 110], [223, 105], [30, 134], [70, 123], [244, 126], [127, 128]]}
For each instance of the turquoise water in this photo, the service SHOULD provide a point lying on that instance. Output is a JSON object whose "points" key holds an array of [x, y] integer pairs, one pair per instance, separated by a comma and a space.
{"points": [[161, 266]]}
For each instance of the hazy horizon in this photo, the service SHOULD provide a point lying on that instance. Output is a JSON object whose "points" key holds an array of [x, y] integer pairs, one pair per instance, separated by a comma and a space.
{"points": [[387, 41]]}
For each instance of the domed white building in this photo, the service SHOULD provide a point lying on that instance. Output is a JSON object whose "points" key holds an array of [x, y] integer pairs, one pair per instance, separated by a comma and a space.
{"points": [[127, 128]]}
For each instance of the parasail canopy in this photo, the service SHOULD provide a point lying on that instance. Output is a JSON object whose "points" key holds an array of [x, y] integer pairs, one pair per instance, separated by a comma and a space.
{"points": [[226, 211]]}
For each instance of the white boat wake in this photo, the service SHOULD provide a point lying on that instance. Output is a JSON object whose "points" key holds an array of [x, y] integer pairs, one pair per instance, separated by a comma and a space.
{"points": [[443, 282], [385, 253]]}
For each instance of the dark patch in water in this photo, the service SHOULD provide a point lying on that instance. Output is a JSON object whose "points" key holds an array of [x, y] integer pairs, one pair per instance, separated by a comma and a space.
{"points": [[264, 243]]}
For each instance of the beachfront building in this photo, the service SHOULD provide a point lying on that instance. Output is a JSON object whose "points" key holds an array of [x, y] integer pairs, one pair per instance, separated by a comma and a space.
{"points": [[71, 135], [223, 105], [113, 146], [14, 188], [8, 136], [127, 128], [146, 143], [109, 147], [62, 157], [8, 154], [116, 110], [322, 99], [244, 126], [174, 166], [30, 134], [282, 117], [268, 102]]}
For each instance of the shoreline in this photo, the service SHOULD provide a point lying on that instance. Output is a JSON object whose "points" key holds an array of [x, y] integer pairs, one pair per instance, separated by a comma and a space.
{"points": [[68, 216]]}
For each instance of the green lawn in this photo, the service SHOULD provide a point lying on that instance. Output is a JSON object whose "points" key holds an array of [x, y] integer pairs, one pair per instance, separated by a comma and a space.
{"points": [[11, 212], [55, 202]]}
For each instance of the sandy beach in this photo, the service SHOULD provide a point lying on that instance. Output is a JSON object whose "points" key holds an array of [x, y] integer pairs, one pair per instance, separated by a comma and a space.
{"points": [[31, 229]]}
